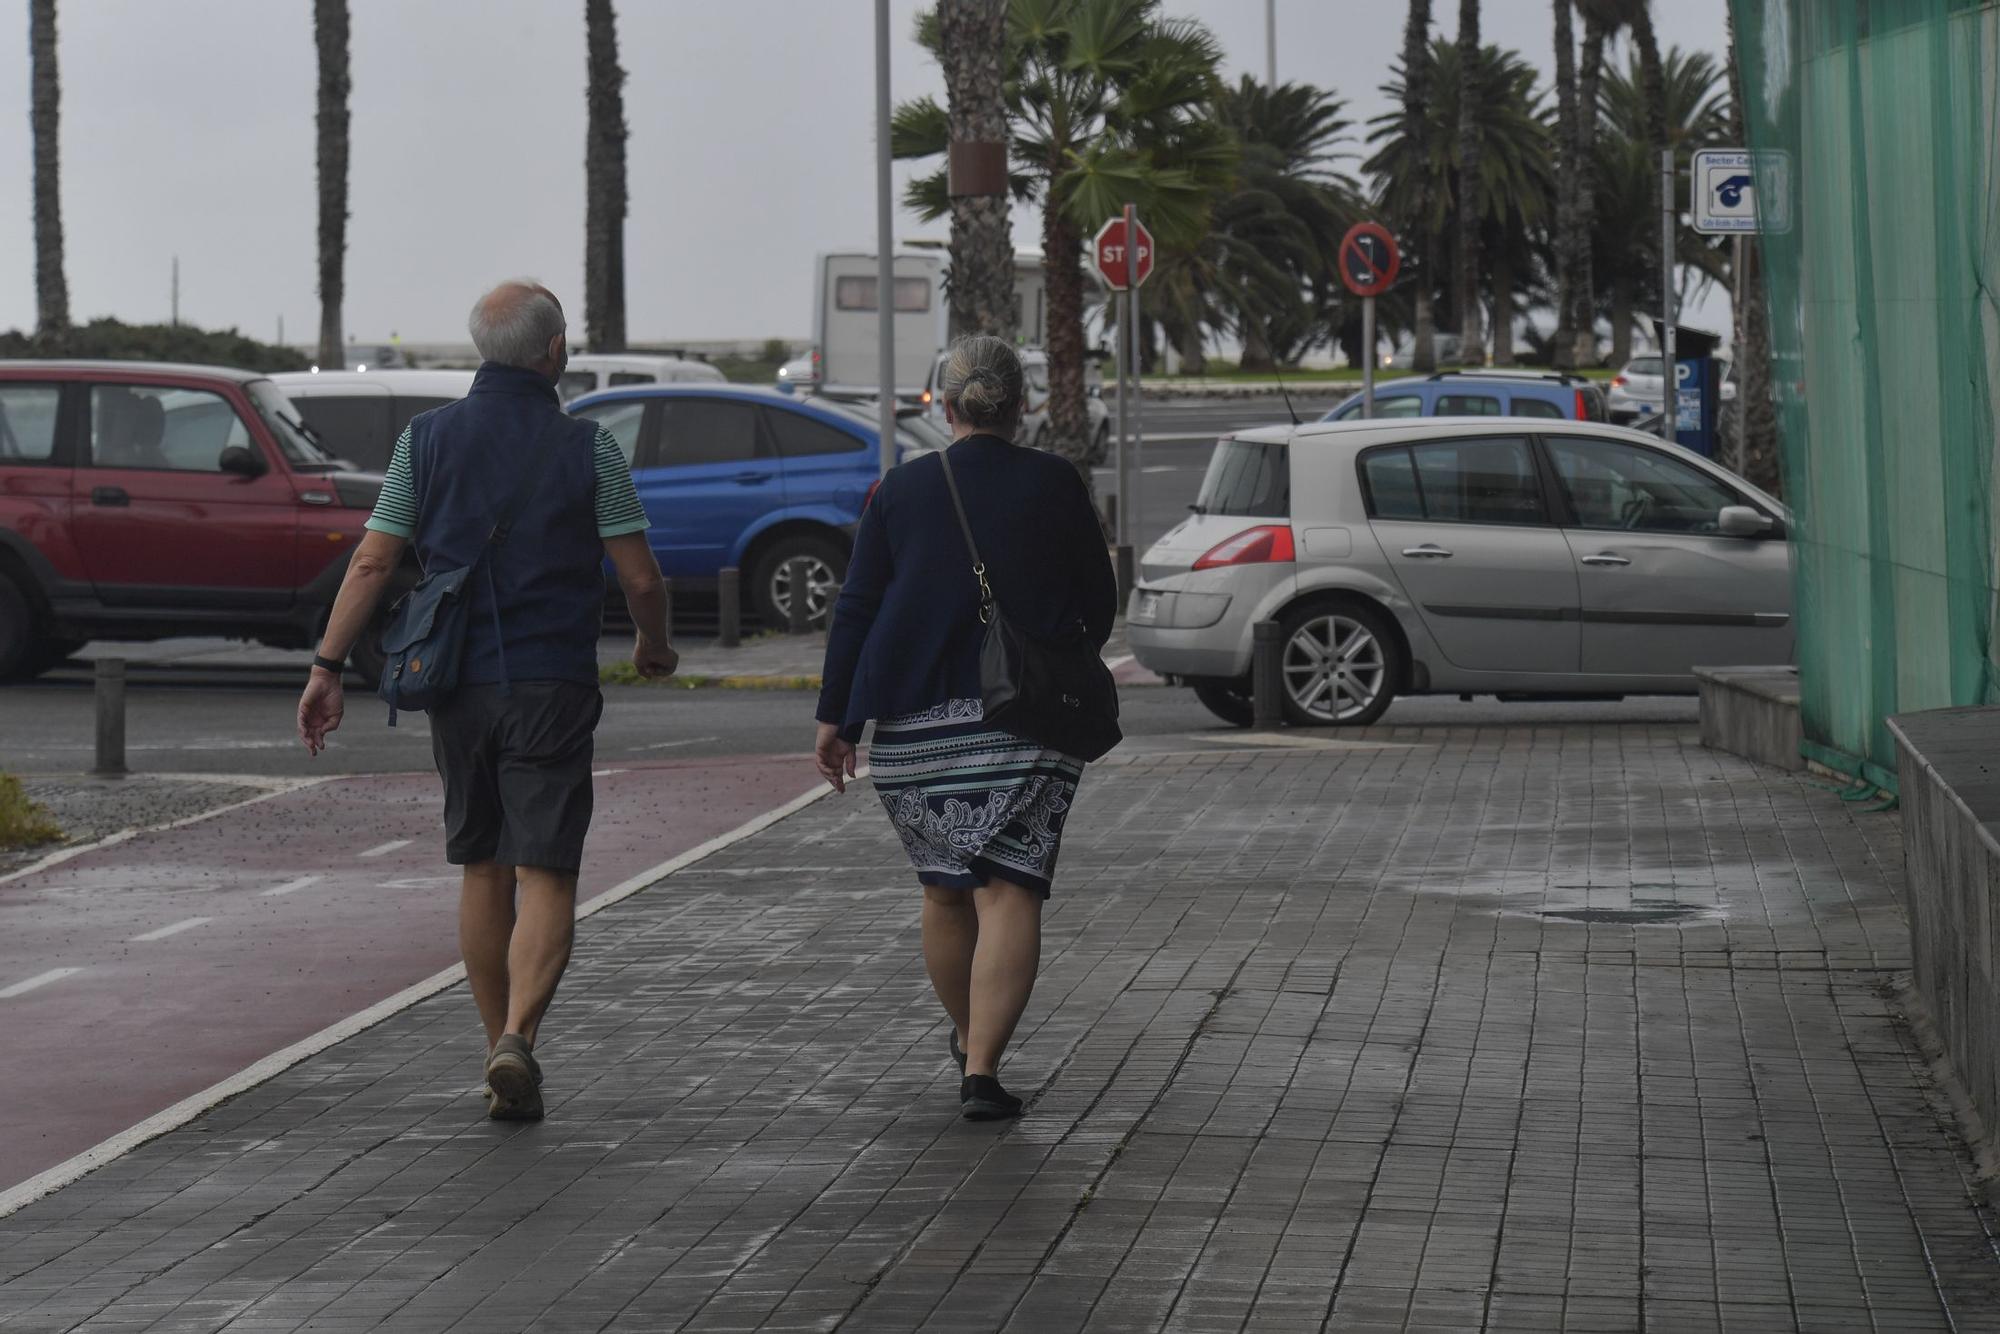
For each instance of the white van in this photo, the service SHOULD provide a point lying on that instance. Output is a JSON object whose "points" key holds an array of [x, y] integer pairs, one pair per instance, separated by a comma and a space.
{"points": [[359, 414], [589, 372], [846, 332]]}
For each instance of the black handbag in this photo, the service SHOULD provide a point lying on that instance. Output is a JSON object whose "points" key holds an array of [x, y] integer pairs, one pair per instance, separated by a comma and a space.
{"points": [[1058, 693]]}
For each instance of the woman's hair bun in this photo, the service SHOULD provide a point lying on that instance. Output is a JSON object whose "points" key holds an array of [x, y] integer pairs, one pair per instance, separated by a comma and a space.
{"points": [[983, 382]]}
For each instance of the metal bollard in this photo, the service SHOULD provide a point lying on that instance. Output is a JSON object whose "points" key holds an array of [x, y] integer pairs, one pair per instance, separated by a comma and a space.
{"points": [[1266, 675], [667, 593], [729, 588], [110, 718], [797, 613], [1125, 573]]}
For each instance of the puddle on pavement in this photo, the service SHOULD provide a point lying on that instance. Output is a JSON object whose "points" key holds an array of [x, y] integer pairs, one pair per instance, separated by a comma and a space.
{"points": [[1643, 912]]}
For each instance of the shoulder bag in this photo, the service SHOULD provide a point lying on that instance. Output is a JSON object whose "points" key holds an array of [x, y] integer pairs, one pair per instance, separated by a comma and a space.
{"points": [[1057, 693]]}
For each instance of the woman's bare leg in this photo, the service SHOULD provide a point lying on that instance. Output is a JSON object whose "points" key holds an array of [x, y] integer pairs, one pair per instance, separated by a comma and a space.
{"points": [[1003, 969], [951, 931]]}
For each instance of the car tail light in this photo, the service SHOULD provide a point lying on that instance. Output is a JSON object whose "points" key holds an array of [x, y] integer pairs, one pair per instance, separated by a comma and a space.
{"points": [[1254, 546], [1619, 382], [926, 400], [1582, 407]]}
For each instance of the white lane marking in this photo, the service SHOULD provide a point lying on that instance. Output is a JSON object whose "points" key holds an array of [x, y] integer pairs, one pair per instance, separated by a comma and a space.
{"points": [[38, 980], [606, 773], [383, 849], [174, 930], [670, 745], [187, 1109], [1115, 663], [126, 835], [1164, 467], [292, 886]]}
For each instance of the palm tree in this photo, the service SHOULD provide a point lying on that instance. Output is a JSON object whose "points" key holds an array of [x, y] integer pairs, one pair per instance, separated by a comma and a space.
{"points": [[330, 32], [1755, 413], [1110, 104], [972, 47], [1628, 172], [44, 111], [1415, 108], [1512, 192], [1468, 170], [1570, 240], [1602, 19], [604, 183]]}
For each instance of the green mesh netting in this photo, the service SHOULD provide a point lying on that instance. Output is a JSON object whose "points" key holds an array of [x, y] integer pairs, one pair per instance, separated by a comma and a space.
{"points": [[1884, 336]]}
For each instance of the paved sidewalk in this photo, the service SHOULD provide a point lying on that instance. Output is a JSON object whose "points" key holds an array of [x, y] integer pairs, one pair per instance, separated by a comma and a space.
{"points": [[1550, 1029]]}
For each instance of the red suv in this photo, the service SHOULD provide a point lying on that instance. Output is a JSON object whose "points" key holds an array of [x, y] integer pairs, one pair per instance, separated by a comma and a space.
{"points": [[142, 501]]}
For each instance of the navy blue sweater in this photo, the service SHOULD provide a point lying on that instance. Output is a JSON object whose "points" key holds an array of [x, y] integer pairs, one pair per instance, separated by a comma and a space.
{"points": [[906, 631]]}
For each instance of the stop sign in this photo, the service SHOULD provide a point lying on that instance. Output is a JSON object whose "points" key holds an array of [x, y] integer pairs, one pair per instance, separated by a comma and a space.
{"points": [[1113, 256]]}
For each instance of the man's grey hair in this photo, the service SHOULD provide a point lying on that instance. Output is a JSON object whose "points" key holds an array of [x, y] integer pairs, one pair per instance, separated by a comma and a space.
{"points": [[515, 322]]}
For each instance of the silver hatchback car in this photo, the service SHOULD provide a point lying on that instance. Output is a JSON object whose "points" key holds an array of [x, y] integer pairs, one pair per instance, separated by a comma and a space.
{"points": [[1462, 556]]}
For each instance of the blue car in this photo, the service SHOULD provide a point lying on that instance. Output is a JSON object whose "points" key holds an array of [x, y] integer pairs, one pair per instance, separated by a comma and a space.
{"points": [[1483, 394], [743, 477]]}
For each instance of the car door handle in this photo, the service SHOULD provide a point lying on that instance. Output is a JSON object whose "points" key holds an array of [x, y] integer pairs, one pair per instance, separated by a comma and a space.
{"points": [[109, 495], [750, 478], [1605, 558], [1428, 551]]}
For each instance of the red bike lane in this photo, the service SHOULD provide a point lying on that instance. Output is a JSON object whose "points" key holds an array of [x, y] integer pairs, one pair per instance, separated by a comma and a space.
{"points": [[138, 974]]}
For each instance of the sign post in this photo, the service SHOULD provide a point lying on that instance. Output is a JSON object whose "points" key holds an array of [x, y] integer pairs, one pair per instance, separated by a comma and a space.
{"points": [[1724, 200], [1670, 411], [1368, 264], [1123, 253]]}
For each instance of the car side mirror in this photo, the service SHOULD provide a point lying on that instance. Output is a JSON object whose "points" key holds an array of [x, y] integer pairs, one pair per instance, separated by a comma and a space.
{"points": [[241, 461], [1742, 521]]}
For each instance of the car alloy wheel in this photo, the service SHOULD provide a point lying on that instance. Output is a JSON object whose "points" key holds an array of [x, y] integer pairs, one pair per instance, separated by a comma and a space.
{"points": [[821, 585], [1335, 669]]}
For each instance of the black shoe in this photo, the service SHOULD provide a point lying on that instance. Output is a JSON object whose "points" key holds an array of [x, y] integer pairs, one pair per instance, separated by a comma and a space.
{"points": [[957, 1053], [980, 1098]]}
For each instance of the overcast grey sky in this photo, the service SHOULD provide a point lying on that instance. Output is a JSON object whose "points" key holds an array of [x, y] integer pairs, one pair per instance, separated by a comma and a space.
{"points": [[188, 130]]}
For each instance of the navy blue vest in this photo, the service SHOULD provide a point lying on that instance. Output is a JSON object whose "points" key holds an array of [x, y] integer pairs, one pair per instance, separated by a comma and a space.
{"points": [[466, 459]]}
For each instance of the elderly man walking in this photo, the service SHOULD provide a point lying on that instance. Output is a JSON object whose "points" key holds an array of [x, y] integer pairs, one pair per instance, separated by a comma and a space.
{"points": [[513, 740]]}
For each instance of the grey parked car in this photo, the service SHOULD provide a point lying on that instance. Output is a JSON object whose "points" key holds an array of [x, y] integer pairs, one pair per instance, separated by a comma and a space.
{"points": [[1462, 556]]}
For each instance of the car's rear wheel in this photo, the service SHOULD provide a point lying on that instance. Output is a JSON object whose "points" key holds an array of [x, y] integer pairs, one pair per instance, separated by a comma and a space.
{"points": [[1228, 698], [1340, 664], [771, 581], [20, 647]]}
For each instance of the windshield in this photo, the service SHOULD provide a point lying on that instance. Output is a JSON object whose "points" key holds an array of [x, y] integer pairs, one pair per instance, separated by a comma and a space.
{"points": [[1644, 366], [1247, 478], [912, 431], [923, 434], [294, 437]]}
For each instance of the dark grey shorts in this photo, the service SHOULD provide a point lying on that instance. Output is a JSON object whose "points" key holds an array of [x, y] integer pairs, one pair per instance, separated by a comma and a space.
{"points": [[516, 768]]}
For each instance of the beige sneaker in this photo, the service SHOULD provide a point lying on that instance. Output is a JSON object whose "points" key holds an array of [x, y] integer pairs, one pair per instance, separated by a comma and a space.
{"points": [[513, 1081]]}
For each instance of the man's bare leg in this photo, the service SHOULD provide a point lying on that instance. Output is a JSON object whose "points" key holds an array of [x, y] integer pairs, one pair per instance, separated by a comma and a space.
{"points": [[485, 928], [544, 927]]}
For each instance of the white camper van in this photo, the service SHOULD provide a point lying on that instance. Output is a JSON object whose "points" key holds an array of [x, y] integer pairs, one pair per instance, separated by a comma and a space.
{"points": [[845, 327]]}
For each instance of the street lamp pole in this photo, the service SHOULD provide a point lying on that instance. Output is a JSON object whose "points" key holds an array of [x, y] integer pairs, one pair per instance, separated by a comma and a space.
{"points": [[1271, 43], [885, 241]]}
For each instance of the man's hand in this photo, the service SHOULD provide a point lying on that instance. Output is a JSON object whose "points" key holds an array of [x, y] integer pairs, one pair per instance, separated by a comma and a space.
{"points": [[320, 709], [654, 661], [834, 757]]}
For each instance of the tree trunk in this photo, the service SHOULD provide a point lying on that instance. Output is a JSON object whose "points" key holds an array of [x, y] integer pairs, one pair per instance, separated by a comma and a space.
{"points": [[604, 184], [1256, 349], [1590, 71], [1470, 333], [1756, 411], [1416, 106], [980, 281], [1621, 320], [1503, 305], [1424, 337], [1194, 356], [1062, 264], [1567, 139], [330, 35]]}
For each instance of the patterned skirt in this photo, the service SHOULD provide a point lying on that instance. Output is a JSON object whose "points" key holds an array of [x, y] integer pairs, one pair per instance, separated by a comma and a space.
{"points": [[972, 803]]}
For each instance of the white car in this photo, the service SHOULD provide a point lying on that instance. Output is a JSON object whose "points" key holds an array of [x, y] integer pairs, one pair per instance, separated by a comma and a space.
{"points": [[358, 415], [589, 372], [1639, 390]]}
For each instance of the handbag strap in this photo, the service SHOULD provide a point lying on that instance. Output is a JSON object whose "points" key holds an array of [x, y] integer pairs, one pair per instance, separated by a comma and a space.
{"points": [[964, 526]]}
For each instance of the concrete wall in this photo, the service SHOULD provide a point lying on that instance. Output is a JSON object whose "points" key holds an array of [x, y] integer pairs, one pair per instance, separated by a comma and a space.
{"points": [[1950, 772], [1752, 712]]}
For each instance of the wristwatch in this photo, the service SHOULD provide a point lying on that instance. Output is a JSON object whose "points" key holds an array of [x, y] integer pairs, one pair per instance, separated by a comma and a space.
{"points": [[329, 664]]}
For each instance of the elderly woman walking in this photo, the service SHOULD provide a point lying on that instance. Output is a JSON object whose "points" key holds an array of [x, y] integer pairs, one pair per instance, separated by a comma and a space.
{"points": [[979, 809]]}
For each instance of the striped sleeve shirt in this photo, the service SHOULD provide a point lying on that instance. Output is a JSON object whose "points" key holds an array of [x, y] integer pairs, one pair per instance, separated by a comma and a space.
{"points": [[618, 508]]}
